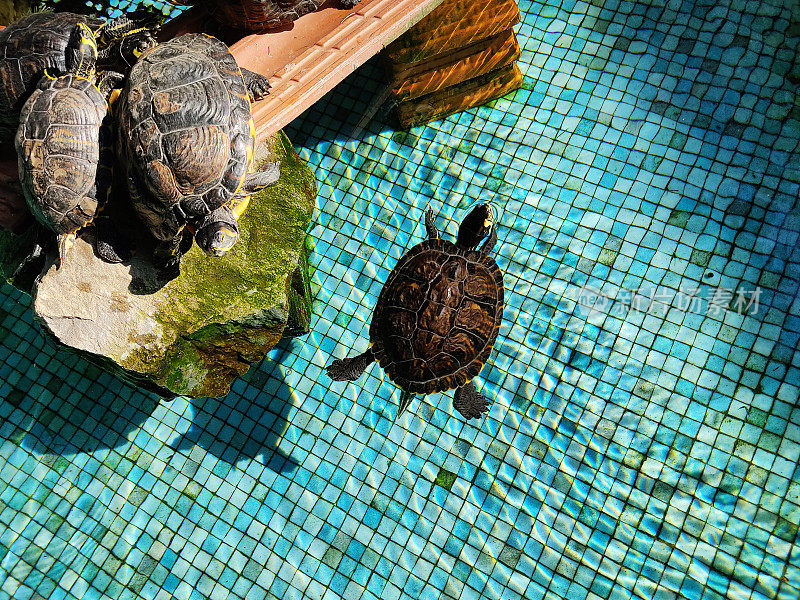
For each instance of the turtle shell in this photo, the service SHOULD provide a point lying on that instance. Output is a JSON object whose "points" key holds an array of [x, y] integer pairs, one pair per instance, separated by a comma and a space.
{"points": [[437, 317], [63, 147], [28, 47], [187, 132], [257, 15]]}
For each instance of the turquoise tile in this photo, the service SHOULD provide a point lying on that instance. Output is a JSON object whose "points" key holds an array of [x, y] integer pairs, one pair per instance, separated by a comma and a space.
{"points": [[616, 432]]}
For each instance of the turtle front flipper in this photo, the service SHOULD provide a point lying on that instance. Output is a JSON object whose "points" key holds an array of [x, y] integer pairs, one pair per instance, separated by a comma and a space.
{"points": [[257, 85], [217, 232], [267, 176], [349, 369], [348, 3], [469, 402], [108, 81]]}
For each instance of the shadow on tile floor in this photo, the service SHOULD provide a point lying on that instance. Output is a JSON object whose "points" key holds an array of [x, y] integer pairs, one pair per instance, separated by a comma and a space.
{"points": [[236, 428], [108, 412]]}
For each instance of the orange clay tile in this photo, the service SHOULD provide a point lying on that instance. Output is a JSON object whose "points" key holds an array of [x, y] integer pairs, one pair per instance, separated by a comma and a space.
{"points": [[453, 25], [461, 96], [415, 79], [307, 60]]}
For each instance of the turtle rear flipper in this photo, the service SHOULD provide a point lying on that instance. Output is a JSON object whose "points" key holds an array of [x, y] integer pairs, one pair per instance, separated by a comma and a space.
{"points": [[349, 369], [118, 28], [110, 245], [257, 85], [469, 402], [65, 242]]}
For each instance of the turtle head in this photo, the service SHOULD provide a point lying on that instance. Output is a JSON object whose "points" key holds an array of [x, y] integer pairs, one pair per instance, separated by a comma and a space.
{"points": [[123, 52], [216, 238], [81, 54], [133, 45], [475, 227]]}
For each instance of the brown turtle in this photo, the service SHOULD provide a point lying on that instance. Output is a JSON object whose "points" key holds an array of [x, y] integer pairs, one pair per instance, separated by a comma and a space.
{"points": [[64, 146], [437, 316], [260, 15], [188, 139]]}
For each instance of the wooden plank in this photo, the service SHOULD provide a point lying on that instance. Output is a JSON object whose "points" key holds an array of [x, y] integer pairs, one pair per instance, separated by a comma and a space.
{"points": [[317, 52]]}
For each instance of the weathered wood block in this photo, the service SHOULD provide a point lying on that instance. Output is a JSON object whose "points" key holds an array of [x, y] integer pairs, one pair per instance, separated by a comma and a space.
{"points": [[467, 94], [452, 26], [436, 73]]}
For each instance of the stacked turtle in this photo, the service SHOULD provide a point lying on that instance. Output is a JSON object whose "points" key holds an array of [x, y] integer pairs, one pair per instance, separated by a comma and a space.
{"points": [[57, 71], [186, 136]]}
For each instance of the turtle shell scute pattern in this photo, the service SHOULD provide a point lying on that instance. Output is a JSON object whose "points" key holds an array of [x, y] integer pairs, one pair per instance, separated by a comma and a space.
{"points": [[63, 143], [187, 129], [437, 317], [28, 47]]}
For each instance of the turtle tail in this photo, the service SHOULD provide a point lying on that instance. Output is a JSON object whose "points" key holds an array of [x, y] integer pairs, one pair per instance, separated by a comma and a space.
{"points": [[405, 399], [349, 369]]}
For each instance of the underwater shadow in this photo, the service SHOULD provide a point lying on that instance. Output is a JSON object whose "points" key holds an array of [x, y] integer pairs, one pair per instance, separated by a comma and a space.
{"points": [[236, 427], [73, 421], [368, 110]]}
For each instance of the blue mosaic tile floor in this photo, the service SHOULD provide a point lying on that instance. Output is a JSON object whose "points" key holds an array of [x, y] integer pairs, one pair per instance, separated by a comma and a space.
{"points": [[643, 439]]}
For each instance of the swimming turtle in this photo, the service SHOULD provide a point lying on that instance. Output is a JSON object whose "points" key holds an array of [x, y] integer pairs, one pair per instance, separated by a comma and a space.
{"points": [[188, 137], [260, 15], [65, 147], [38, 43], [437, 316]]}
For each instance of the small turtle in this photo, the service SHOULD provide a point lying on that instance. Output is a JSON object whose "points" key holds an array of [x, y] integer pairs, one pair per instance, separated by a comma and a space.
{"points": [[65, 148], [188, 137], [261, 15], [437, 316], [38, 43]]}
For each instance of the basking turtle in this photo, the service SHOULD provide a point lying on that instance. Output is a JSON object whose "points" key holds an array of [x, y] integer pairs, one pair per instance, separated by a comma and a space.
{"points": [[437, 316], [64, 145], [188, 137], [260, 15], [38, 43]]}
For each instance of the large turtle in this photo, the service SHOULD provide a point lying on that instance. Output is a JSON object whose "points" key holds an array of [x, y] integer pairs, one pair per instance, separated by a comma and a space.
{"points": [[38, 43], [260, 15], [437, 316], [65, 146], [188, 139]]}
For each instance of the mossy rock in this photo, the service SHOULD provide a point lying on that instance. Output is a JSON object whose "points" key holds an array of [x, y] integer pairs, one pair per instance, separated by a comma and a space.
{"points": [[198, 332]]}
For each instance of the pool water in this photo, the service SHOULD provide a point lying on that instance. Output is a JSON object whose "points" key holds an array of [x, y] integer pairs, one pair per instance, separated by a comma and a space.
{"points": [[643, 436]]}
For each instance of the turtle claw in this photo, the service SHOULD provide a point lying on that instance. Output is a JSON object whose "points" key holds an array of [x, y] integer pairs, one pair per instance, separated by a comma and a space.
{"points": [[257, 85]]}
